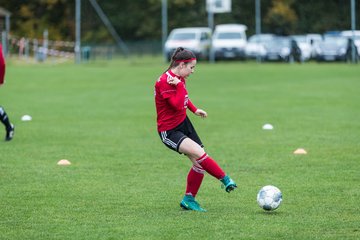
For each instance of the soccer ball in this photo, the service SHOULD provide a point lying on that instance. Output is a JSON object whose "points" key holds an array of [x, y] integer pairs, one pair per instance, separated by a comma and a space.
{"points": [[269, 198]]}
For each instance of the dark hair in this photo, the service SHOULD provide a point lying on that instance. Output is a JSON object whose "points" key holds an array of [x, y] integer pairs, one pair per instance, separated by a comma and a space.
{"points": [[179, 55]]}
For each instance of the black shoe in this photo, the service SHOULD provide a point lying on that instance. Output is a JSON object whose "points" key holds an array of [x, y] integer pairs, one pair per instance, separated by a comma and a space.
{"points": [[10, 133]]}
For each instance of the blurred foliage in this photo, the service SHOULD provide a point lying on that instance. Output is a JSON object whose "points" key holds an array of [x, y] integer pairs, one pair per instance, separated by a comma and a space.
{"points": [[281, 17], [141, 20], [31, 18]]}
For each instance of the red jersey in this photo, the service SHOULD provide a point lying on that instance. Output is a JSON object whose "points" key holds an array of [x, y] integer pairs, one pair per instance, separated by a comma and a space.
{"points": [[171, 102], [2, 66]]}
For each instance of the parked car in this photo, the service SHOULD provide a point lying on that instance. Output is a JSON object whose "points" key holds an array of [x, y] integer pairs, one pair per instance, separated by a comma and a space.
{"points": [[332, 48], [313, 39], [349, 35], [196, 39], [255, 46], [278, 49], [229, 41], [304, 45]]}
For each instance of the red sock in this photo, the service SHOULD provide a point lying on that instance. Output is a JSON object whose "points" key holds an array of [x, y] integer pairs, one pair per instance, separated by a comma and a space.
{"points": [[194, 180], [211, 166]]}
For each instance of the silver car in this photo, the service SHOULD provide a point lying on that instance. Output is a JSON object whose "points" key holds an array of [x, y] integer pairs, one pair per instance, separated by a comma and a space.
{"points": [[332, 48], [278, 49], [197, 39], [255, 46]]}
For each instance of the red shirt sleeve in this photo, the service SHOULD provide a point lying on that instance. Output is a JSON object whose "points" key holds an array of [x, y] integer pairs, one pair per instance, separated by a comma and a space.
{"points": [[191, 106], [2, 66]]}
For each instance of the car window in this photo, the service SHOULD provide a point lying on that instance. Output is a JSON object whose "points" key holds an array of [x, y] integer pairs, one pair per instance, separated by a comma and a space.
{"points": [[229, 35], [279, 43], [204, 36], [260, 38], [339, 41], [183, 36]]}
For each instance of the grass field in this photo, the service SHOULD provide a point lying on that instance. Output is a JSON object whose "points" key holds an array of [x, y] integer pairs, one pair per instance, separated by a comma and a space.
{"points": [[125, 184]]}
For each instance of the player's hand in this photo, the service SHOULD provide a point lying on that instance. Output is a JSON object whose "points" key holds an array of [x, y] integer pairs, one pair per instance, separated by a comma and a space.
{"points": [[201, 113], [173, 81]]}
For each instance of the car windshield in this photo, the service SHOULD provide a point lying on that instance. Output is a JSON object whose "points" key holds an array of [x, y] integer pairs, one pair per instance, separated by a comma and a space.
{"points": [[229, 35], [183, 36], [299, 39], [336, 40], [279, 43], [260, 38]]}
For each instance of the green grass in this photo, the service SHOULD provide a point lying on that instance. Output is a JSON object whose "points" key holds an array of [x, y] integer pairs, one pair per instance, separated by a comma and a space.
{"points": [[125, 184]]}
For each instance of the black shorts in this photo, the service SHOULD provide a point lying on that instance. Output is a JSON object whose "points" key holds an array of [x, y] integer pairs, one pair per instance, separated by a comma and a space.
{"points": [[174, 137]]}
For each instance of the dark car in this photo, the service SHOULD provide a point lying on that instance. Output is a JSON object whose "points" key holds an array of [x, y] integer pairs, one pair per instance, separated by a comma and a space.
{"points": [[278, 49], [332, 48]]}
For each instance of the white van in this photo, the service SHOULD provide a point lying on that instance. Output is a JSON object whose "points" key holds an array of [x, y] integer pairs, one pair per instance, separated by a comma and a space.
{"points": [[229, 41], [196, 39]]}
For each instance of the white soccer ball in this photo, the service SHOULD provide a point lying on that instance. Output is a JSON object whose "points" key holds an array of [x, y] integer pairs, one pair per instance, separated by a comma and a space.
{"points": [[269, 198]]}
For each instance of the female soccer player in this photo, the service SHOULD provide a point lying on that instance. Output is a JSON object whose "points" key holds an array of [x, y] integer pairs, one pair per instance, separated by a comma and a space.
{"points": [[176, 130], [3, 116]]}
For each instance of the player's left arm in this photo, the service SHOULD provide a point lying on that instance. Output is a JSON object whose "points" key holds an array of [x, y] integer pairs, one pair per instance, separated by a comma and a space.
{"points": [[195, 110], [2, 66]]}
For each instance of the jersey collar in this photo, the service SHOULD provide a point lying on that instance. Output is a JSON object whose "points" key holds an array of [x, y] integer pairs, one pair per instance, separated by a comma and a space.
{"points": [[171, 74]]}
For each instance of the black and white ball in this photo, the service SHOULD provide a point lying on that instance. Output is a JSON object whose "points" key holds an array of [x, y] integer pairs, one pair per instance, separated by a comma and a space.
{"points": [[269, 198]]}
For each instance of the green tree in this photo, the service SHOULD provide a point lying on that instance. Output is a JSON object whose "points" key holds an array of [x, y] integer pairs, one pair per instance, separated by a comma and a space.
{"points": [[141, 19], [31, 18], [322, 16], [281, 18]]}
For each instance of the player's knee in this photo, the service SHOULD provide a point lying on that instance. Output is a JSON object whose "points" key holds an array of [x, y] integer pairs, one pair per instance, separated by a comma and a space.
{"points": [[198, 154]]}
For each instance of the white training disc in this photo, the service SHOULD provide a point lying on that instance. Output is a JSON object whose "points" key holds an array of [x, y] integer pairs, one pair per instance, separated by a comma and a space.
{"points": [[300, 151], [268, 126], [26, 118], [64, 162]]}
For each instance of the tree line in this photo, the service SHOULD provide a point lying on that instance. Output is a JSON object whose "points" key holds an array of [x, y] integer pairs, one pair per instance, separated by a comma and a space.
{"points": [[141, 19]]}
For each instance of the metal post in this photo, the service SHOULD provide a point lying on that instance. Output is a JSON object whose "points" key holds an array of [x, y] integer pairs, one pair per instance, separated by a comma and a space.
{"points": [[110, 27], [211, 26], [258, 23], [45, 44], [4, 42], [164, 27], [353, 31], [211, 19], [7, 31], [7, 23], [27, 48], [78, 31]]}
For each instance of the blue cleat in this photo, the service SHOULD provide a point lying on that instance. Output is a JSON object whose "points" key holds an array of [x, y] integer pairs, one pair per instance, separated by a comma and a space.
{"points": [[229, 184], [189, 203]]}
